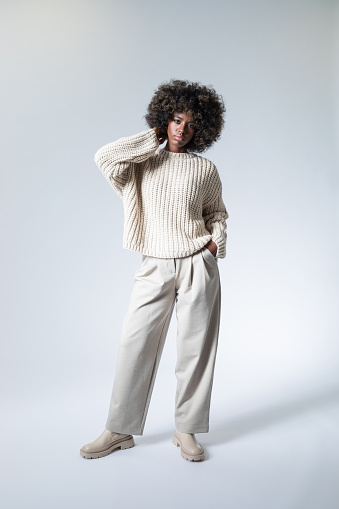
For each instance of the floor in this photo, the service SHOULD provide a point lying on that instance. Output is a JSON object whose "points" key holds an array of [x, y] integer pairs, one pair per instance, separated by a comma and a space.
{"points": [[276, 456]]}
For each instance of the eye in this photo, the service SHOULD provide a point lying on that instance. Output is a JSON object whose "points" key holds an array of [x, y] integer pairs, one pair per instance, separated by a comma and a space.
{"points": [[192, 126], [177, 121]]}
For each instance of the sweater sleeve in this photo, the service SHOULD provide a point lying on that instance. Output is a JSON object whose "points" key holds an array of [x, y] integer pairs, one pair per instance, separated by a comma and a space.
{"points": [[116, 159], [215, 213]]}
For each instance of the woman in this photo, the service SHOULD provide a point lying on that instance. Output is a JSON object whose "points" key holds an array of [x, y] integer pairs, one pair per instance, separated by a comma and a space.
{"points": [[175, 217]]}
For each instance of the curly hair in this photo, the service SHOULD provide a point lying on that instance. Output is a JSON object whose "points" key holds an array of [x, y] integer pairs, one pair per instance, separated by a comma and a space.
{"points": [[201, 102]]}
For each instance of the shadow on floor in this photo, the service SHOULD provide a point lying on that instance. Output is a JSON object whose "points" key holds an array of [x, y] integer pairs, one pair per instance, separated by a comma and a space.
{"points": [[270, 415]]}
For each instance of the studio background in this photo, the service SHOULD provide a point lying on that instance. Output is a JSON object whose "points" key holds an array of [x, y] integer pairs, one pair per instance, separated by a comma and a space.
{"points": [[79, 74]]}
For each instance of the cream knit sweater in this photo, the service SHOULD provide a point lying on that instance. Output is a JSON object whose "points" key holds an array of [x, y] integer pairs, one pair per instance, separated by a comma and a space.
{"points": [[172, 202]]}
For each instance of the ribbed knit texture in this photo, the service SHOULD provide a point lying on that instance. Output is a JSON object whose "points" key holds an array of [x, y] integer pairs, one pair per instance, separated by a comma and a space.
{"points": [[172, 202]]}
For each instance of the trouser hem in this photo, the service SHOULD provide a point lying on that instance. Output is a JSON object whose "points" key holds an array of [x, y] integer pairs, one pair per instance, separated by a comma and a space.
{"points": [[124, 431], [192, 429]]}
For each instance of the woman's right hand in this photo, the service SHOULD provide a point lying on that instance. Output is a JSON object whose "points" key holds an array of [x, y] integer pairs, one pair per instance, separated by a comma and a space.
{"points": [[160, 135]]}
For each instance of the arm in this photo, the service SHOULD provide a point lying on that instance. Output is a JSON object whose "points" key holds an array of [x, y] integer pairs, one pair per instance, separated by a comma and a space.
{"points": [[116, 159], [215, 215]]}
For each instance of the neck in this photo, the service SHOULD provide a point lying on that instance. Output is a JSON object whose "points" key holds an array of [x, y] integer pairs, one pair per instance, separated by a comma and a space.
{"points": [[177, 150]]}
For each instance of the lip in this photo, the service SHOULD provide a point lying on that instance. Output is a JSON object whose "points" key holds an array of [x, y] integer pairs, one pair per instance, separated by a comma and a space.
{"points": [[179, 138]]}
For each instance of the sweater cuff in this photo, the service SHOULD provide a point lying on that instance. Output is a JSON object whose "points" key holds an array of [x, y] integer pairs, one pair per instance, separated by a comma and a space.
{"points": [[219, 236]]}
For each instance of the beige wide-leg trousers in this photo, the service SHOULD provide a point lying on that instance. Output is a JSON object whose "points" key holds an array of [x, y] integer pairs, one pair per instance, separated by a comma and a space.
{"points": [[193, 284]]}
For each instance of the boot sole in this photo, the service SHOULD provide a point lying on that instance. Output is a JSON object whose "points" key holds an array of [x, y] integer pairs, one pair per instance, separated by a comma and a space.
{"points": [[186, 456], [125, 444]]}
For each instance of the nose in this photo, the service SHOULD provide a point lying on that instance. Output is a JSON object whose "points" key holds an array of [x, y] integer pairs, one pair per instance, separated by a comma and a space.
{"points": [[182, 128]]}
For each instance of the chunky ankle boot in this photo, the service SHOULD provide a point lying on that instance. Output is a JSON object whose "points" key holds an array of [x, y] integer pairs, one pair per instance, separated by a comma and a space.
{"points": [[105, 444], [191, 450]]}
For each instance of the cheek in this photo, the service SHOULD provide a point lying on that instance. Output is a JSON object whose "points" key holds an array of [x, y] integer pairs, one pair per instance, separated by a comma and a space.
{"points": [[170, 128]]}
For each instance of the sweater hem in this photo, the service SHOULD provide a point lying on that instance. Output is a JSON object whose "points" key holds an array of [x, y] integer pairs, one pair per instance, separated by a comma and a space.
{"points": [[167, 254]]}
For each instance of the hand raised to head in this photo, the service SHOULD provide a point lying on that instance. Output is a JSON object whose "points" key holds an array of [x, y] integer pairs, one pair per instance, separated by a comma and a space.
{"points": [[160, 135]]}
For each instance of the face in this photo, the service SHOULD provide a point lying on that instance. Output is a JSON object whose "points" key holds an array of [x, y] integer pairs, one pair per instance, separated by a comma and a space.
{"points": [[180, 131]]}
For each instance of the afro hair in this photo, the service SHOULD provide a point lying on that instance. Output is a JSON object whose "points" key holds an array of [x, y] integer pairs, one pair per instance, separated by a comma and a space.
{"points": [[201, 102]]}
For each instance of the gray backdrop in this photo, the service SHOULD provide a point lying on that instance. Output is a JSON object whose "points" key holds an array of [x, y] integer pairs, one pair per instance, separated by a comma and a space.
{"points": [[79, 74]]}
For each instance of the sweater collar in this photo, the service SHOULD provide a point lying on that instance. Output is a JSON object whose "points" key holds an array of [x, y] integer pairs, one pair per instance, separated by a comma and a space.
{"points": [[175, 155]]}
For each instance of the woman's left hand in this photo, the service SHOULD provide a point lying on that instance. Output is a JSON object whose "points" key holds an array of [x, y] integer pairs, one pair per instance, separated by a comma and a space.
{"points": [[211, 246]]}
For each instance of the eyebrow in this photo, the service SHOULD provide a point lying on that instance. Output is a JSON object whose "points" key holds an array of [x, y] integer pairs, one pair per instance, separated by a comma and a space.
{"points": [[180, 116]]}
